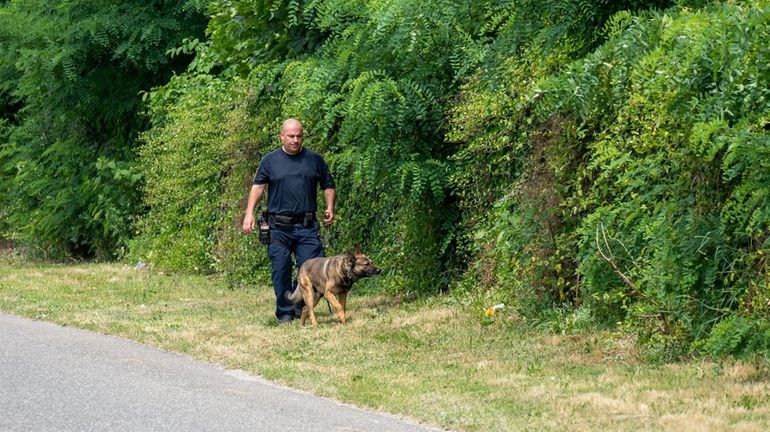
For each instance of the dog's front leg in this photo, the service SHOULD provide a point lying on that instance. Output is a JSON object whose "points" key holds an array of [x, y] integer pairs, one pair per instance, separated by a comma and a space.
{"points": [[336, 303]]}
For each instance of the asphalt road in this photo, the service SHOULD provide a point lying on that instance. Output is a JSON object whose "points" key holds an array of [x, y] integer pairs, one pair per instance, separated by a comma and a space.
{"points": [[61, 379]]}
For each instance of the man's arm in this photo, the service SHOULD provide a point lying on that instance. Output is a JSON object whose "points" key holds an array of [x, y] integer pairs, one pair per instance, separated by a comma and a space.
{"points": [[329, 195], [254, 196]]}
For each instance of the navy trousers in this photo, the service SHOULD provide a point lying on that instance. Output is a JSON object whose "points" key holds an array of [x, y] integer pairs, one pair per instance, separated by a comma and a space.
{"points": [[302, 242]]}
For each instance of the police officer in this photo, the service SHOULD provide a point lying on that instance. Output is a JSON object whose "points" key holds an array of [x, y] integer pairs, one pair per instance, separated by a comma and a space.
{"points": [[292, 175]]}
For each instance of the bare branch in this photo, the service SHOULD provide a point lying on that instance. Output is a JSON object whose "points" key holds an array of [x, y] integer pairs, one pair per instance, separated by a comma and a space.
{"points": [[611, 260], [634, 289]]}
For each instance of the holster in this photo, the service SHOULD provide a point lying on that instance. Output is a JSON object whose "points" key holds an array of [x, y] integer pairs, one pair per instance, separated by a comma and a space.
{"points": [[264, 229]]}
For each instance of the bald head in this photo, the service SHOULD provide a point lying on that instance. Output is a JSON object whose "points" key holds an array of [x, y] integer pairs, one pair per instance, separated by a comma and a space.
{"points": [[291, 136], [290, 123]]}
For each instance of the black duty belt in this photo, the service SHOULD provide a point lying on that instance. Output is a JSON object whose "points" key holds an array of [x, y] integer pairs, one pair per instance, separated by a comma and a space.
{"points": [[287, 221]]}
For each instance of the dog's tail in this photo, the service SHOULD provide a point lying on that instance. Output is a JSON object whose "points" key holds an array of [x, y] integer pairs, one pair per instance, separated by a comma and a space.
{"points": [[294, 296]]}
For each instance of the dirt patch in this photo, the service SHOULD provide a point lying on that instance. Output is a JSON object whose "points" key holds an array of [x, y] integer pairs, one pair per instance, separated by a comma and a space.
{"points": [[7, 247]]}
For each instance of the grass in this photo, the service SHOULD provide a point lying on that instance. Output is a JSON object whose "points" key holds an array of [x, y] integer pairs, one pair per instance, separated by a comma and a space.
{"points": [[433, 361]]}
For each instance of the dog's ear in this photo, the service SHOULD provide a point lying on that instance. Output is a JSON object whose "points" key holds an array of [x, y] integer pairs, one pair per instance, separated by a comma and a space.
{"points": [[358, 250]]}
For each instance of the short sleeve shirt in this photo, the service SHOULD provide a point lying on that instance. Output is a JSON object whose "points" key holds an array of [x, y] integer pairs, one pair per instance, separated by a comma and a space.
{"points": [[293, 180]]}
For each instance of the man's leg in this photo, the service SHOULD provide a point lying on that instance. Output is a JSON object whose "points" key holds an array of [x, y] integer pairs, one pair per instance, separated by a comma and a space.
{"points": [[280, 257], [308, 245]]}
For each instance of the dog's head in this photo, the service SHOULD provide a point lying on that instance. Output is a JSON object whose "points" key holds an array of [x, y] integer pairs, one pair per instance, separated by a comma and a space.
{"points": [[362, 265]]}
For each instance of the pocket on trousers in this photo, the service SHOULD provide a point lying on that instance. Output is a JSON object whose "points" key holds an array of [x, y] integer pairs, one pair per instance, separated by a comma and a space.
{"points": [[277, 252]]}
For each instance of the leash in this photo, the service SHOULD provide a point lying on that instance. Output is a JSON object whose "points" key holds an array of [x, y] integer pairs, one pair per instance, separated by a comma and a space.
{"points": [[328, 304], [331, 233]]}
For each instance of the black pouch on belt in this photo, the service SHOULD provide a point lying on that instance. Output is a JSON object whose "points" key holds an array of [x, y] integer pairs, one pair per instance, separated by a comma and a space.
{"points": [[282, 221]]}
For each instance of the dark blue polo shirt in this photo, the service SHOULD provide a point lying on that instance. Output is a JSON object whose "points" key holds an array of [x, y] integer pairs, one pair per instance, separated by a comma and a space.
{"points": [[293, 180]]}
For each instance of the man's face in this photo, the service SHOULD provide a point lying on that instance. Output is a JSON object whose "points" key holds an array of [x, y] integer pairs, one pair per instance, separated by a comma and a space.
{"points": [[291, 138]]}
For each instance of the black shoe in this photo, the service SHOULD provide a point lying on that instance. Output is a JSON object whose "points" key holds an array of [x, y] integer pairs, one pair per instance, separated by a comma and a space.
{"points": [[286, 319]]}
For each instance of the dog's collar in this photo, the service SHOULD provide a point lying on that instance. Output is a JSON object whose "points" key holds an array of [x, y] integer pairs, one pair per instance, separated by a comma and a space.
{"points": [[348, 277]]}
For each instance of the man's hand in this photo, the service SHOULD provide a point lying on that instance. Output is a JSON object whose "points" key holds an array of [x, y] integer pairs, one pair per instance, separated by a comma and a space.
{"points": [[254, 195], [248, 223], [329, 216], [329, 195]]}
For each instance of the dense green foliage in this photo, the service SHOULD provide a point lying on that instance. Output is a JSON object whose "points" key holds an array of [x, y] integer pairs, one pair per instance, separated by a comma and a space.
{"points": [[377, 114], [582, 161], [640, 179], [70, 77], [196, 170]]}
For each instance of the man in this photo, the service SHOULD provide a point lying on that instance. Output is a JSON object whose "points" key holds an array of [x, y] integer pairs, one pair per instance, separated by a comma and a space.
{"points": [[292, 175]]}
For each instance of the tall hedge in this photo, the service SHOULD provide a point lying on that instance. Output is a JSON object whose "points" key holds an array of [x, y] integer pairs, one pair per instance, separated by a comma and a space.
{"points": [[633, 182], [372, 82]]}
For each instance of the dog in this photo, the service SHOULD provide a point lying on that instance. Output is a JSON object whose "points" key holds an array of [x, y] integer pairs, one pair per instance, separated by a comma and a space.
{"points": [[330, 277]]}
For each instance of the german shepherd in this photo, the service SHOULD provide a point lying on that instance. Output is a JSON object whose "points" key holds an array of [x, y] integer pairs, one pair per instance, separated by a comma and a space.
{"points": [[331, 277]]}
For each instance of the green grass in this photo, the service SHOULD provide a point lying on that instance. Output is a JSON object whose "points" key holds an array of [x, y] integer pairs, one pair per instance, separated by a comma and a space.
{"points": [[433, 361]]}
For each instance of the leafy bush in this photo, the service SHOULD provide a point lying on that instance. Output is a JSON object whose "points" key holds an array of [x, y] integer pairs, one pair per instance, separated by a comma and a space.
{"points": [[70, 74], [739, 335], [196, 164]]}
